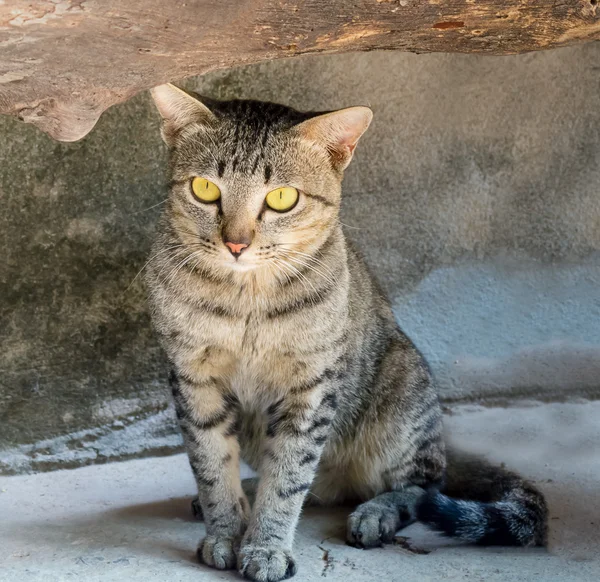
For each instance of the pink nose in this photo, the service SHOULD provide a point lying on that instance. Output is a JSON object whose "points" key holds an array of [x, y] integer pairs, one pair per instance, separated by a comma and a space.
{"points": [[236, 248]]}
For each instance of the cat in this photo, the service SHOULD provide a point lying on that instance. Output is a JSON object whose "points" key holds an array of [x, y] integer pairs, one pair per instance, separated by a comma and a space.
{"points": [[286, 354]]}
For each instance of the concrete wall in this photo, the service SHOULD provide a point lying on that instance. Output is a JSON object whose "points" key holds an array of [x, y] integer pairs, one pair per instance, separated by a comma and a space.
{"points": [[475, 197]]}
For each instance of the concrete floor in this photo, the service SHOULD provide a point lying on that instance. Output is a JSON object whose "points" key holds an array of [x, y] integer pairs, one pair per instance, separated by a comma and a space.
{"points": [[131, 521]]}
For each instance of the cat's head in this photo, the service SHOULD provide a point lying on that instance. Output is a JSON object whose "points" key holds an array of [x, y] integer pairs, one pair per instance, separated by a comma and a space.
{"points": [[254, 181]]}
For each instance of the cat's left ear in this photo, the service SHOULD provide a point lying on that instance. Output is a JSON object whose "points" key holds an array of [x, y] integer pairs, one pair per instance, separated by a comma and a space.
{"points": [[338, 132], [178, 109]]}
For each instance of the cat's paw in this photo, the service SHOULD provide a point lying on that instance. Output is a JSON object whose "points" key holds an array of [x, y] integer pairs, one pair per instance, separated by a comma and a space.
{"points": [[266, 564], [371, 525], [218, 552]]}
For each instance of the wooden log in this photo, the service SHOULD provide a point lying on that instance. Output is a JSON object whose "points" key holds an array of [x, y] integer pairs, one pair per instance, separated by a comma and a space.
{"points": [[63, 62]]}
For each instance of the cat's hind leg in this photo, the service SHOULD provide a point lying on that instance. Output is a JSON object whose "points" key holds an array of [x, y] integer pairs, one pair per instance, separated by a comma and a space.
{"points": [[376, 521]]}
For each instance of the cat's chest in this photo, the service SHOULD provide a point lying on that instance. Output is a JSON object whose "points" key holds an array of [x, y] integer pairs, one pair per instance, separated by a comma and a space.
{"points": [[248, 337], [254, 346], [259, 356]]}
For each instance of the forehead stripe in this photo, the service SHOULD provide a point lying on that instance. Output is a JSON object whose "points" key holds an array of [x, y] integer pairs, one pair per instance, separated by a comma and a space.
{"points": [[255, 166], [268, 172]]}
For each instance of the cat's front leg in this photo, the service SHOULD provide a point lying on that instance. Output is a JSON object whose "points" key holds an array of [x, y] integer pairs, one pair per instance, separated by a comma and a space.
{"points": [[208, 421], [298, 426]]}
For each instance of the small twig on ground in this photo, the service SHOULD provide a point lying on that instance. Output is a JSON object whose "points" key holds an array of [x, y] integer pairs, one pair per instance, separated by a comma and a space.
{"points": [[328, 566], [405, 544]]}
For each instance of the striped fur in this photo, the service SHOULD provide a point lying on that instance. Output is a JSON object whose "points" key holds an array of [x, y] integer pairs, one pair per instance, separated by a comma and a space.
{"points": [[485, 505], [290, 357]]}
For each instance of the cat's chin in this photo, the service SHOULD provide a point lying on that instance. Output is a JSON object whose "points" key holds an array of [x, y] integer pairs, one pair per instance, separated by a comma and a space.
{"points": [[242, 267]]}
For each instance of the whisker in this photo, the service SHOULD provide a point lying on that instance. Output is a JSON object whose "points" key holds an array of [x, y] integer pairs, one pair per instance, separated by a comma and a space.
{"points": [[288, 268], [301, 275], [279, 270], [308, 256], [191, 233], [195, 266], [178, 268], [311, 258], [150, 260], [349, 226], [312, 268], [149, 208], [177, 254]]}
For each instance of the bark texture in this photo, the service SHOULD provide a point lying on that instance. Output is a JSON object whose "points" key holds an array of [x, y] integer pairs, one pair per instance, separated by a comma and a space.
{"points": [[63, 62]]}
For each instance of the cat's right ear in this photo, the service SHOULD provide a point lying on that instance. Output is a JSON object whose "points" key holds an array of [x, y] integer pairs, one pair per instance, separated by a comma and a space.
{"points": [[178, 110]]}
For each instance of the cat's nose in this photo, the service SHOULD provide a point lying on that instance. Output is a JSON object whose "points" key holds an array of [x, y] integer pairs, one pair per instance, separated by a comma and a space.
{"points": [[236, 248]]}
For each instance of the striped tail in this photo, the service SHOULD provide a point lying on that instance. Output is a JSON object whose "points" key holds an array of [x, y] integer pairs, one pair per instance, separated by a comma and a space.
{"points": [[487, 505]]}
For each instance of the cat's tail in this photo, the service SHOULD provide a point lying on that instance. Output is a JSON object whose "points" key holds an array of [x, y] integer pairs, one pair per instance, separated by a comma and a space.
{"points": [[485, 504]]}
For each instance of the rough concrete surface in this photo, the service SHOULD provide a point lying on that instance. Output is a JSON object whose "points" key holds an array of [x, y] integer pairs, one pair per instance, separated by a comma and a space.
{"points": [[132, 520], [474, 197]]}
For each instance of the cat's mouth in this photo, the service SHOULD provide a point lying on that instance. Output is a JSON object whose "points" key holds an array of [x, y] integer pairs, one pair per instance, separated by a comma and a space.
{"points": [[241, 264]]}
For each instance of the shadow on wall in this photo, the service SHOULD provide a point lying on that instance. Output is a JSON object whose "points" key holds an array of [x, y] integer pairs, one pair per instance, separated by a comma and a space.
{"points": [[554, 371], [509, 329]]}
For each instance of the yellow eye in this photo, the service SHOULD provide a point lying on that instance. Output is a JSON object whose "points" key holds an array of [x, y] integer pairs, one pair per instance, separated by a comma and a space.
{"points": [[282, 199], [205, 190]]}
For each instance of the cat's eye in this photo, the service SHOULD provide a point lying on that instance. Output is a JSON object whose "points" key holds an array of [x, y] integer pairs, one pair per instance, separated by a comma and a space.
{"points": [[282, 199], [204, 190]]}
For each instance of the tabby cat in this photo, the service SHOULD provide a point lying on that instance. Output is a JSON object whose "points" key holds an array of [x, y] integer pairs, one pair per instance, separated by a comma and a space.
{"points": [[284, 352]]}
